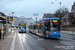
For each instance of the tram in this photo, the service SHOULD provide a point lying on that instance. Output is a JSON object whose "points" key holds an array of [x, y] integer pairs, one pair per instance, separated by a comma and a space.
{"points": [[47, 27], [22, 28]]}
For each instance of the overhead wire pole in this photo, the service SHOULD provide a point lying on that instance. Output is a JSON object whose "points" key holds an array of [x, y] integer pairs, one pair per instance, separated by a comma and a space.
{"points": [[6, 26], [60, 11], [22, 18], [36, 17]]}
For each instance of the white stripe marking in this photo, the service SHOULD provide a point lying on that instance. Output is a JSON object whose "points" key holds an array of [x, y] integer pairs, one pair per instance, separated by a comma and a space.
{"points": [[24, 41], [20, 41], [13, 43]]}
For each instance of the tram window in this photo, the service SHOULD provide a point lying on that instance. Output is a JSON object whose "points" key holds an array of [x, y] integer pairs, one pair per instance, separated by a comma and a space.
{"points": [[47, 26], [37, 27], [31, 26], [40, 27], [34, 26], [56, 25]]}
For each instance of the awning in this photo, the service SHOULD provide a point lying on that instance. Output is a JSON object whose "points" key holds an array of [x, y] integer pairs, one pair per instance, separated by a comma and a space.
{"points": [[2, 18], [4, 22]]}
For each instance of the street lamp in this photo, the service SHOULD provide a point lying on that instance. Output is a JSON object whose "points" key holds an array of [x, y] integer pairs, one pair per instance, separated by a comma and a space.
{"points": [[60, 8], [36, 17]]}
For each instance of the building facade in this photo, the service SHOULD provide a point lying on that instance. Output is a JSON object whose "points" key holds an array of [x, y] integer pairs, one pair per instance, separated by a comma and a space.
{"points": [[17, 20], [69, 18], [48, 15]]}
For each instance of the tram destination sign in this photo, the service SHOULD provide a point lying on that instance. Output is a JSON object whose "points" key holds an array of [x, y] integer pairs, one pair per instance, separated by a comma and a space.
{"points": [[55, 21], [22, 24]]}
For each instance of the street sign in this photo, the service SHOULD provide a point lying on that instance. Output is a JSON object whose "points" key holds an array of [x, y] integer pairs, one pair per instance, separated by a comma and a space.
{"points": [[10, 18]]}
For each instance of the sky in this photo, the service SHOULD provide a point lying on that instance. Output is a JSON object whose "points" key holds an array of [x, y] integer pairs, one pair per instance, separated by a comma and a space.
{"points": [[28, 8]]}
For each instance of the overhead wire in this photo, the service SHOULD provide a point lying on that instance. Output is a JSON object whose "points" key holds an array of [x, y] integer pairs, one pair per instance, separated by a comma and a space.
{"points": [[25, 7], [47, 6]]}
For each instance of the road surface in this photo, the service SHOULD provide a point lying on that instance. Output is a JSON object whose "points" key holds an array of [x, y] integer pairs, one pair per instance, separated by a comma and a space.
{"points": [[30, 41]]}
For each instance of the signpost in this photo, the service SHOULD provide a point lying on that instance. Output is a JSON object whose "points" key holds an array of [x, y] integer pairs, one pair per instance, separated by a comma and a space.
{"points": [[8, 19]]}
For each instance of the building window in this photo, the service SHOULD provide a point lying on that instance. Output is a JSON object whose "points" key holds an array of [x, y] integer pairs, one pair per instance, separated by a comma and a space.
{"points": [[64, 20]]}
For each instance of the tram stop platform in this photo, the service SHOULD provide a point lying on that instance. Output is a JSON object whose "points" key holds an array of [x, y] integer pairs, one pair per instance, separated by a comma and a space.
{"points": [[10, 43]]}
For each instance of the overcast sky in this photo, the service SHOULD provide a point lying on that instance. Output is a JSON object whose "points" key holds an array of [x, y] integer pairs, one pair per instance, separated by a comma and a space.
{"points": [[29, 7]]}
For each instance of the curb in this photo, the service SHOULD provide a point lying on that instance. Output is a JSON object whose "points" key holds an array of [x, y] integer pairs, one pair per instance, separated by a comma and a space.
{"points": [[68, 32]]}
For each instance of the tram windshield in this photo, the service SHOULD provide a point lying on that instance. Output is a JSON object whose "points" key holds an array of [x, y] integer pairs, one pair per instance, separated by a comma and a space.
{"points": [[54, 26], [21, 26]]}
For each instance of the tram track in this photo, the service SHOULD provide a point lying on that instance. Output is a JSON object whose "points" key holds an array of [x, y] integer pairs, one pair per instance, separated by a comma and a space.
{"points": [[28, 37], [25, 42], [37, 42], [34, 39]]}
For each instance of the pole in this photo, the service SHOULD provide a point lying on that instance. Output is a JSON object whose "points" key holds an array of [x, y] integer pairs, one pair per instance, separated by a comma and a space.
{"points": [[22, 19], [13, 19], [36, 20], [6, 26], [36, 17], [60, 9]]}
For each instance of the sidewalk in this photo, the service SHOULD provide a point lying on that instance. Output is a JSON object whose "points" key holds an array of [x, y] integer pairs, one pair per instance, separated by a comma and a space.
{"points": [[10, 43], [6, 43]]}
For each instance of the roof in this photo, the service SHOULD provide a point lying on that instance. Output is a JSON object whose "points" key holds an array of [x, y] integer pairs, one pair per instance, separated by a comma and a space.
{"points": [[74, 4], [66, 16], [49, 15], [53, 18], [72, 11]]}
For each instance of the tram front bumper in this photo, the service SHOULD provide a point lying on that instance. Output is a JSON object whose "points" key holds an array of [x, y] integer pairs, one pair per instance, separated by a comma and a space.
{"points": [[54, 36], [21, 31]]}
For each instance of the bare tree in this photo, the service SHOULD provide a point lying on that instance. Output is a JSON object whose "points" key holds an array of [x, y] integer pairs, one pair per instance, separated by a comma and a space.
{"points": [[61, 12]]}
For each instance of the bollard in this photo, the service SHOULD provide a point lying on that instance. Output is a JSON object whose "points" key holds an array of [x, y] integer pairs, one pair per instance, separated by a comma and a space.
{"points": [[0, 34]]}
